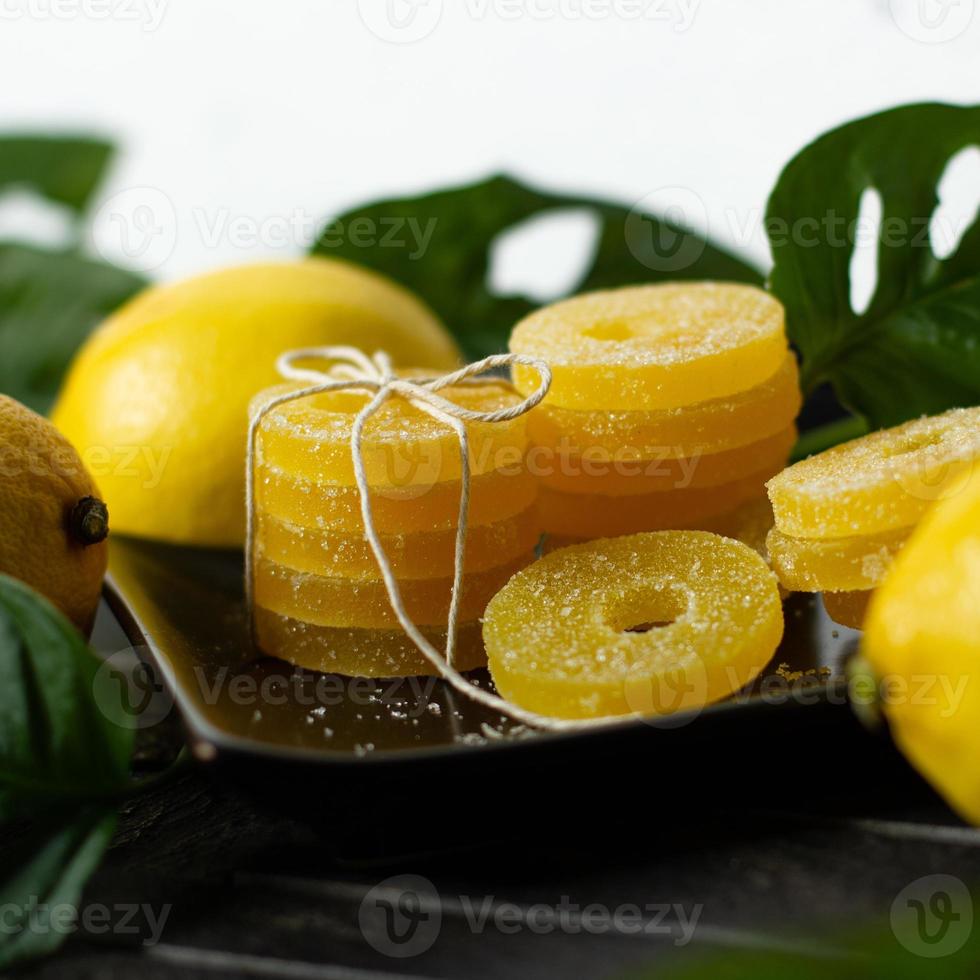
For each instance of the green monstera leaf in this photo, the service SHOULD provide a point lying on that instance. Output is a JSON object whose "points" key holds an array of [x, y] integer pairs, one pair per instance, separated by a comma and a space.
{"points": [[915, 349], [439, 246]]}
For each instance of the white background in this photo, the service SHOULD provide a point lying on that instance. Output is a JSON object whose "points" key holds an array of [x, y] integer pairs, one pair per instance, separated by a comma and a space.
{"points": [[248, 122]]}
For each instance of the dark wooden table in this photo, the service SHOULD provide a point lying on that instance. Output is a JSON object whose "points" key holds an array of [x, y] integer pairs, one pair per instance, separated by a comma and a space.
{"points": [[250, 893]]}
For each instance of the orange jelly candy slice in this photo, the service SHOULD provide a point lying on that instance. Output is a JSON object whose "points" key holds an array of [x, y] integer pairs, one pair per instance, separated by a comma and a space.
{"points": [[364, 603], [425, 554], [647, 624], [403, 446], [706, 427], [361, 652], [619, 474], [880, 482], [653, 347], [834, 564]]}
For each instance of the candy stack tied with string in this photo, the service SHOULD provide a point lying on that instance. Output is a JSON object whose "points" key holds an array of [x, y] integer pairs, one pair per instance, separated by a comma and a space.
{"points": [[378, 501], [670, 406]]}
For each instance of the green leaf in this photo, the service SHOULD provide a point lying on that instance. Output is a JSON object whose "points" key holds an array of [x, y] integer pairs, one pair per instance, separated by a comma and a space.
{"points": [[55, 743], [438, 245], [49, 302], [37, 892], [63, 169], [916, 349]]}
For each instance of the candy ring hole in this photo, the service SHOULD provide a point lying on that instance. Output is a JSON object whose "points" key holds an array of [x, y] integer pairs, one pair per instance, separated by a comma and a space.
{"points": [[651, 612], [913, 445], [610, 330]]}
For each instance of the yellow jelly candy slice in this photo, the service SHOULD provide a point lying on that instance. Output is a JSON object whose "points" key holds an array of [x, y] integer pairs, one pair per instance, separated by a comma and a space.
{"points": [[921, 640], [571, 635], [706, 427], [361, 652], [880, 482], [583, 516], [494, 497], [834, 564], [426, 554], [402, 446], [848, 608], [653, 347], [617, 475], [364, 603]]}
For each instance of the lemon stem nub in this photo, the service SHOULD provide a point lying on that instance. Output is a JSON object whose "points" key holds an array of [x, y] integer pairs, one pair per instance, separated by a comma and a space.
{"points": [[89, 521]]}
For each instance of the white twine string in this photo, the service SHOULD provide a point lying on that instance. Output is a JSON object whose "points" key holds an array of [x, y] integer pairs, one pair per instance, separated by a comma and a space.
{"points": [[351, 369]]}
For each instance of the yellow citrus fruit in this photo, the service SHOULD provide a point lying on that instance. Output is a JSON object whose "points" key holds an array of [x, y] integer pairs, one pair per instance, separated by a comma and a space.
{"points": [[157, 399], [53, 525], [922, 642]]}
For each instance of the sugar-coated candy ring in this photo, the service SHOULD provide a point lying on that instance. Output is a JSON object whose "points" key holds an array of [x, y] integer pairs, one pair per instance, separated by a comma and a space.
{"points": [[598, 516], [403, 446], [620, 474], [705, 427], [361, 652], [494, 496], [425, 554], [834, 564], [848, 608], [653, 347], [880, 482], [562, 636], [337, 601]]}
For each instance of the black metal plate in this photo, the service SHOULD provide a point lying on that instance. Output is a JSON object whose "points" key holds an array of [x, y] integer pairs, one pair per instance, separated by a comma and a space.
{"points": [[456, 770], [187, 607]]}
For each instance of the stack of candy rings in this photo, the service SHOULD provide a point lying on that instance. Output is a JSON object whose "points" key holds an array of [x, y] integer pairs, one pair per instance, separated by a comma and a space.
{"points": [[319, 600], [843, 515], [670, 407]]}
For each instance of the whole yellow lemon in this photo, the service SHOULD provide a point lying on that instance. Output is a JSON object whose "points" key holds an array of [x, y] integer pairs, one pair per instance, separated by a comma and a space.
{"points": [[922, 641], [53, 525], [157, 399]]}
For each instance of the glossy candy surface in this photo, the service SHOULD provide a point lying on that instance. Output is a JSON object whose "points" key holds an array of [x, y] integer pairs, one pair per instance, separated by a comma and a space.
{"points": [[646, 624], [653, 347]]}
